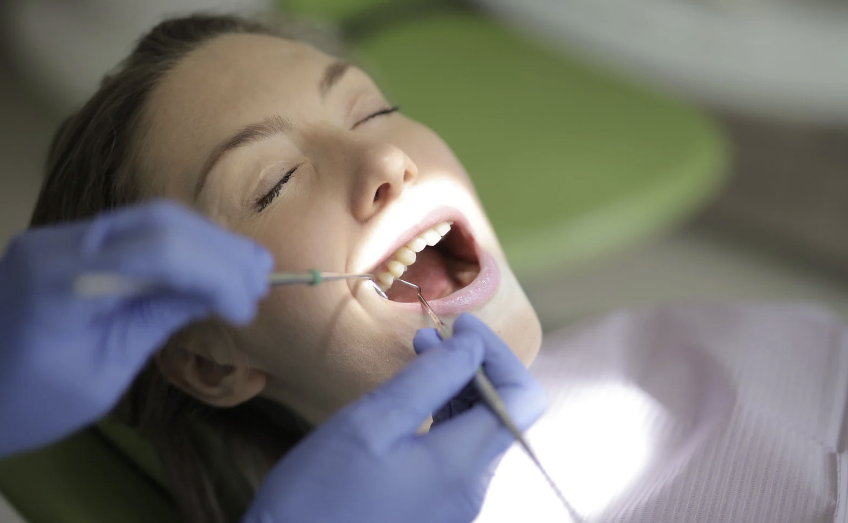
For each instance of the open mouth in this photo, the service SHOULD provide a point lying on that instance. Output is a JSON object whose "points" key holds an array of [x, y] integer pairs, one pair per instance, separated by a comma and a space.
{"points": [[442, 260]]}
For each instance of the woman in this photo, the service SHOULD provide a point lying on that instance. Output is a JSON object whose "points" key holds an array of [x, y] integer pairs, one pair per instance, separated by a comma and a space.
{"points": [[300, 151], [695, 415]]}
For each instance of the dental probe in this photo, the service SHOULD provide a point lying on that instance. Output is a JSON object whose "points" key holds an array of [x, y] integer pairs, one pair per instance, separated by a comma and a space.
{"points": [[490, 396], [94, 284], [313, 277]]}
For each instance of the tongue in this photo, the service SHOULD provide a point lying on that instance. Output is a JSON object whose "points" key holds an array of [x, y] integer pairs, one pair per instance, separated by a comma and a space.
{"points": [[430, 272]]}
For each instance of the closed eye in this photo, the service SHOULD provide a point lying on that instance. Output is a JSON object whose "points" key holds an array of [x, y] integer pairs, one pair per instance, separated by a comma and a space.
{"points": [[381, 112], [263, 202], [266, 200]]}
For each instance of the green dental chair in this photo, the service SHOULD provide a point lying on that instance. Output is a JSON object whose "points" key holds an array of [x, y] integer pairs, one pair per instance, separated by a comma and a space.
{"points": [[570, 164]]}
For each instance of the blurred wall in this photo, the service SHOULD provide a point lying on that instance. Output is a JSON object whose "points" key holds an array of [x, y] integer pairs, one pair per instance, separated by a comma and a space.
{"points": [[64, 47], [53, 55]]}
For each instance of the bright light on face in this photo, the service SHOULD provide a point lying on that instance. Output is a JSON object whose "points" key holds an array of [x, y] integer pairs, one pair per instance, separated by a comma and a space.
{"points": [[412, 207]]}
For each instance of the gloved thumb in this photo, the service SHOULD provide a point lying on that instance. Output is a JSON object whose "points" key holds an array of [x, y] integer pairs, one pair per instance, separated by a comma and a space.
{"points": [[425, 339]]}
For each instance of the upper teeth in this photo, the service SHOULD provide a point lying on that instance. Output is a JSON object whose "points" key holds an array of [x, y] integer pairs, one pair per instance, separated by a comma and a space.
{"points": [[405, 256]]}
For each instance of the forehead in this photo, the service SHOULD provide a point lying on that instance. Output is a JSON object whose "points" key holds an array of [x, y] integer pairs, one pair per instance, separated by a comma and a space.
{"points": [[226, 83]]}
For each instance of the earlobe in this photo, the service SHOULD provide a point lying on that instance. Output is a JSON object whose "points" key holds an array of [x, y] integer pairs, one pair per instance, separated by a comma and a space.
{"points": [[198, 366]]}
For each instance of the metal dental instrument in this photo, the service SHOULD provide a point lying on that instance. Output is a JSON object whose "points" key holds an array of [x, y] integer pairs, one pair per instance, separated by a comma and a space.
{"points": [[104, 284], [490, 396], [313, 277]]}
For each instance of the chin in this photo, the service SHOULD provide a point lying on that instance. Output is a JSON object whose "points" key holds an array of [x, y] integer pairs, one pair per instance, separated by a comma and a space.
{"points": [[512, 317]]}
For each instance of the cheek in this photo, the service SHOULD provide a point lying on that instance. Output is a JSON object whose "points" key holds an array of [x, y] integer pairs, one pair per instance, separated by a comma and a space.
{"points": [[510, 315], [305, 233], [321, 347], [524, 334]]}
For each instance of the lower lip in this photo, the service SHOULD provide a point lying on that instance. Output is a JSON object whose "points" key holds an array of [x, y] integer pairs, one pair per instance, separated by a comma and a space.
{"points": [[469, 297]]}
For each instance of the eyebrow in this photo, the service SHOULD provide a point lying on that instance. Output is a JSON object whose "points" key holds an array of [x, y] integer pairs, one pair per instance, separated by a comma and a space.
{"points": [[271, 126], [247, 135], [332, 74]]}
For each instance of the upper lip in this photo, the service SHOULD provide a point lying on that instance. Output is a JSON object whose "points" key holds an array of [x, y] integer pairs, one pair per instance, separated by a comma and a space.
{"points": [[404, 235]]}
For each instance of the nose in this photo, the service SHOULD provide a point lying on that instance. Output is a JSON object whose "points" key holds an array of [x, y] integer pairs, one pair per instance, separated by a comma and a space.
{"points": [[384, 171]]}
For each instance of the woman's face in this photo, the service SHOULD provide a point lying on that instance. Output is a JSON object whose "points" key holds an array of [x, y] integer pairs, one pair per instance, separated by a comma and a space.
{"points": [[289, 146]]}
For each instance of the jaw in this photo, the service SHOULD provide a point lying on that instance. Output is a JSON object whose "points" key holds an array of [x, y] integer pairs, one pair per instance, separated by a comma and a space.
{"points": [[331, 359]]}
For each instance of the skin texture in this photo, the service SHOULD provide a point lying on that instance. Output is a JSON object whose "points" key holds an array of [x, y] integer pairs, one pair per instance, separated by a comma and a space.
{"points": [[358, 186]]}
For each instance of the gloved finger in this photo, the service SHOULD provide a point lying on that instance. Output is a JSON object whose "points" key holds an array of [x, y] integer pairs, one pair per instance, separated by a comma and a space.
{"points": [[479, 430], [466, 445], [181, 221], [502, 365], [525, 405], [148, 321], [181, 266], [474, 439], [425, 339], [498, 356], [467, 398], [525, 400], [187, 266], [173, 220], [397, 408], [154, 215]]}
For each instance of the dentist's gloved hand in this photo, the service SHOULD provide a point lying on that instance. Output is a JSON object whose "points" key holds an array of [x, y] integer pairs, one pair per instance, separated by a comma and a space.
{"points": [[367, 463], [468, 396], [65, 360]]}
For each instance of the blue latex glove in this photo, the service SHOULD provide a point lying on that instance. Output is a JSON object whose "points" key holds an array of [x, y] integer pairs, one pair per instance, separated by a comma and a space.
{"points": [[368, 464], [469, 396], [66, 360]]}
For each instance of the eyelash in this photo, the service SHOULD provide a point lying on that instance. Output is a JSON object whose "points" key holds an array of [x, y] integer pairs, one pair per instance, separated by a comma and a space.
{"points": [[266, 200], [382, 112]]}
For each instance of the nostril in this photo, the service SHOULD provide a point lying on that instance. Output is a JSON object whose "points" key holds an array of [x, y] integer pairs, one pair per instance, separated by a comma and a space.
{"points": [[381, 192]]}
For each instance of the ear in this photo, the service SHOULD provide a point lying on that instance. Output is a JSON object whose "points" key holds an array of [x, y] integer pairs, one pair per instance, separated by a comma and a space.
{"points": [[204, 362]]}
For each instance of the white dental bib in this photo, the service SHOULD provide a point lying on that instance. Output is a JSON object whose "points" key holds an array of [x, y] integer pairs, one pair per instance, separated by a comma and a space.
{"points": [[688, 414]]}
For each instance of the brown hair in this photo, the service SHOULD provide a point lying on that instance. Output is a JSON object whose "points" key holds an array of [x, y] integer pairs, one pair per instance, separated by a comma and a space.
{"points": [[213, 458]]}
